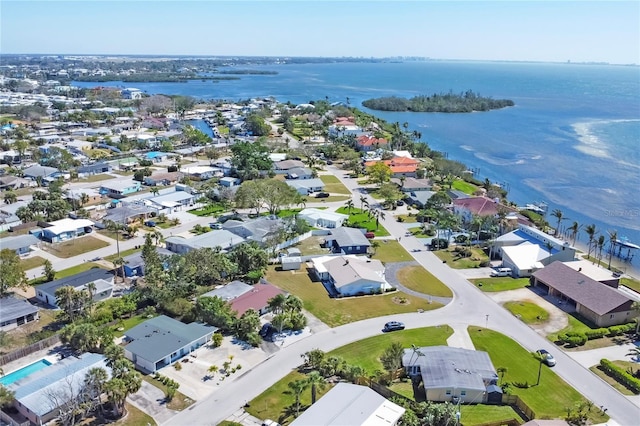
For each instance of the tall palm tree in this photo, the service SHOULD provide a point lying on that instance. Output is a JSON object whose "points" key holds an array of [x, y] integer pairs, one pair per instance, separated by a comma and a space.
{"points": [[591, 233], [540, 359], [379, 214], [363, 202], [297, 387], [84, 199], [316, 381], [613, 238], [600, 246], [154, 191], [557, 213], [575, 228], [635, 307], [119, 262], [276, 303], [349, 205], [502, 371]]}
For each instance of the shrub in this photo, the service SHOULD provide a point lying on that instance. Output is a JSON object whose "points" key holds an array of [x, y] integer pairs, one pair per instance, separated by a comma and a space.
{"points": [[620, 375], [485, 264], [216, 340], [177, 366], [576, 340], [616, 330], [597, 333]]}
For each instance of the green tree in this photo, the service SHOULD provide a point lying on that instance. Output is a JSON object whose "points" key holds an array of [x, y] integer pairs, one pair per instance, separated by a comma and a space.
{"points": [[249, 257], [557, 213], [315, 381], [314, 358], [255, 124], [206, 266], [10, 197], [613, 240], [591, 233], [49, 272], [391, 359], [247, 326], [6, 396], [390, 193], [216, 312], [379, 173], [297, 387], [248, 159], [11, 272]]}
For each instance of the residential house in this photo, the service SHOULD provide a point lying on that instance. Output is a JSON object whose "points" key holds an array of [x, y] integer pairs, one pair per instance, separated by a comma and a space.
{"points": [[38, 396], [41, 172], [348, 241], [9, 182], [15, 312], [155, 156], [65, 229], [306, 186], [481, 206], [229, 182], [419, 199], [323, 218], [344, 126], [101, 278], [173, 201], [134, 263], [353, 405], [120, 188], [350, 275], [597, 302], [368, 143], [400, 166], [21, 244], [74, 196], [283, 167], [218, 238], [595, 272], [413, 184], [125, 163], [127, 213], [161, 341], [163, 178], [528, 249], [451, 374], [258, 230], [94, 169], [229, 291], [300, 173], [202, 172], [256, 299], [131, 93]]}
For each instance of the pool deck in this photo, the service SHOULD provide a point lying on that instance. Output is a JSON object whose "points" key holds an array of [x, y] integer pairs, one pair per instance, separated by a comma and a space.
{"points": [[51, 354]]}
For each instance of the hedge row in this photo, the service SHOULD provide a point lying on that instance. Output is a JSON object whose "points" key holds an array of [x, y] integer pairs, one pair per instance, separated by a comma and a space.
{"points": [[621, 375], [575, 338]]}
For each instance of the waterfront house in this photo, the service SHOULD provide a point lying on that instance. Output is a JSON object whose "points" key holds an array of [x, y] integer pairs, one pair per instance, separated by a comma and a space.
{"points": [[21, 244], [348, 241], [161, 341], [131, 93], [368, 143], [101, 278], [40, 395], [599, 303], [400, 166], [353, 405], [15, 312], [413, 184], [451, 374]]}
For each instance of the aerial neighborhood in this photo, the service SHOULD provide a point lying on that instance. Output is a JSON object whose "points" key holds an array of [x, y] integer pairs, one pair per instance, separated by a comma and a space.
{"points": [[160, 253]]}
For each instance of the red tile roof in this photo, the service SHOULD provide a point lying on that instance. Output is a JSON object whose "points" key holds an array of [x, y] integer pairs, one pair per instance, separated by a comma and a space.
{"points": [[255, 299], [481, 206], [398, 164], [368, 140]]}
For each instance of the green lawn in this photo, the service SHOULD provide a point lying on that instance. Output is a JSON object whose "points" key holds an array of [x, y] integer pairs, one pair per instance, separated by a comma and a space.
{"points": [[75, 247], [391, 251], [480, 413], [366, 353], [212, 209], [179, 402], [612, 381], [127, 324], [456, 262], [576, 323], [500, 283], [311, 246], [32, 262], [123, 253], [528, 312], [333, 185], [466, 187], [135, 417], [419, 279], [96, 178], [76, 269], [407, 219], [419, 232], [335, 312], [551, 398], [362, 220], [631, 283]]}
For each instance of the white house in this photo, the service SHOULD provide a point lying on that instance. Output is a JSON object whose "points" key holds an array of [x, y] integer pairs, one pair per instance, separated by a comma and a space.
{"points": [[322, 218], [351, 275], [15, 312], [66, 229], [101, 278], [306, 186]]}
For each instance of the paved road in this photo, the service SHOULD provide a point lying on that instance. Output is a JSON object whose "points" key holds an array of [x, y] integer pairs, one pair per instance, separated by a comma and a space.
{"points": [[470, 307]]}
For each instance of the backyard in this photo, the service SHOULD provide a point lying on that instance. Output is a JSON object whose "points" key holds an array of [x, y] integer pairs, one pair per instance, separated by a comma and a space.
{"points": [[500, 283], [551, 397], [335, 312], [74, 247], [417, 278], [361, 219], [311, 246]]}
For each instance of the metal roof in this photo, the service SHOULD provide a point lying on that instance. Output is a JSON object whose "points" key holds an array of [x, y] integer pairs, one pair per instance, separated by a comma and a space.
{"points": [[161, 336], [18, 242], [77, 280], [12, 307], [229, 291], [349, 237]]}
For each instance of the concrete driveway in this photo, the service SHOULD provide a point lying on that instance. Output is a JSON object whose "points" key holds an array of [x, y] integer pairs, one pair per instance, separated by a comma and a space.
{"points": [[150, 400]]}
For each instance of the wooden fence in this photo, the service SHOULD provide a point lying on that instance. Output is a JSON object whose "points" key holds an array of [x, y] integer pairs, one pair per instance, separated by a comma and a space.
{"points": [[519, 405], [34, 347]]}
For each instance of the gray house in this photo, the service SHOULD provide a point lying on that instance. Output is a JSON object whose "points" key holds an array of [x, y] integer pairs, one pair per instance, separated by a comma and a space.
{"points": [[161, 341], [217, 238], [230, 291], [101, 278], [15, 312], [348, 241], [20, 244]]}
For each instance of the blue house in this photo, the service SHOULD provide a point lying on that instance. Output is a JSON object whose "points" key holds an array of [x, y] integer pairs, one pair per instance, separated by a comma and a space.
{"points": [[119, 188], [348, 241], [134, 264], [20, 244]]}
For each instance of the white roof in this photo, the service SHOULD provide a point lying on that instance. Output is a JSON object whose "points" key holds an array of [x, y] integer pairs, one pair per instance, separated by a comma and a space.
{"points": [[199, 169], [591, 270], [526, 255], [66, 225], [324, 214]]}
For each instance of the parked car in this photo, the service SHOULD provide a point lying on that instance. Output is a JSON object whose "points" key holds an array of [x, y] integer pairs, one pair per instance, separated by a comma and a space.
{"points": [[393, 326], [150, 223], [215, 225], [547, 358], [501, 272], [399, 203], [266, 331], [369, 234], [270, 422], [322, 195]]}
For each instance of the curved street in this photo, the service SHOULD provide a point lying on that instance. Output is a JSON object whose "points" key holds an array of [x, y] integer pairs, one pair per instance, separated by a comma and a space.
{"points": [[469, 307]]}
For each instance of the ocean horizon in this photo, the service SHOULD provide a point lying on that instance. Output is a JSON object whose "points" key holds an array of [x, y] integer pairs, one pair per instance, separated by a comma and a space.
{"points": [[571, 140]]}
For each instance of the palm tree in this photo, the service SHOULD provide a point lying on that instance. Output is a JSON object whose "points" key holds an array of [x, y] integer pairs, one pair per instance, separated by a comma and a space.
{"points": [[575, 228], [316, 381], [157, 236], [349, 205], [117, 228], [634, 353], [297, 387], [154, 191], [600, 246], [84, 199], [276, 304], [119, 262], [540, 359], [635, 307], [363, 202], [502, 371], [613, 238], [591, 232], [557, 213], [379, 214], [94, 382], [91, 289]]}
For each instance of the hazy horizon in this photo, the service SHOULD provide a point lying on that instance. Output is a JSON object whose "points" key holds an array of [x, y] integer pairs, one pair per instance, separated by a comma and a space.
{"points": [[515, 31]]}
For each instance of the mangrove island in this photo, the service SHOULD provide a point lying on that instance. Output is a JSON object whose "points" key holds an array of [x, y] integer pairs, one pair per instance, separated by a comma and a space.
{"points": [[443, 102]]}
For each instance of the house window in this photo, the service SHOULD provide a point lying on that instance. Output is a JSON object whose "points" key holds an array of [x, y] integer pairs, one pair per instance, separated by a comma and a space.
{"points": [[448, 392], [611, 316], [463, 393]]}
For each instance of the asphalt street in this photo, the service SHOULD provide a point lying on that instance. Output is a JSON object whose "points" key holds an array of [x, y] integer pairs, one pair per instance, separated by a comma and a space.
{"points": [[469, 307]]}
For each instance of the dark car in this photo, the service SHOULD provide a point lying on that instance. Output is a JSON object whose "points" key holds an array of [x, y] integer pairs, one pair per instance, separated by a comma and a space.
{"points": [[369, 235], [266, 331], [399, 203], [322, 195], [547, 358], [393, 326]]}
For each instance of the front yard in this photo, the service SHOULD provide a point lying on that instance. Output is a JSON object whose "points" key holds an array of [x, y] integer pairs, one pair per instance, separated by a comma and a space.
{"points": [[75, 247], [527, 311], [500, 283], [31, 262], [361, 219], [419, 279], [335, 312], [333, 185], [456, 261], [390, 251]]}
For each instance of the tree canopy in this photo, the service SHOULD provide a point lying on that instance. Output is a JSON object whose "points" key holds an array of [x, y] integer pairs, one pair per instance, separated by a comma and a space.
{"points": [[438, 102], [249, 159], [11, 272]]}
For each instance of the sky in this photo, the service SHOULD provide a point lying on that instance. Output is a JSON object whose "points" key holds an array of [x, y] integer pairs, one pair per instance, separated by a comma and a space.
{"points": [[577, 31]]}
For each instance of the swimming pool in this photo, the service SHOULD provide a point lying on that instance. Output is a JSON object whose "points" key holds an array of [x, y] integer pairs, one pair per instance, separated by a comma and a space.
{"points": [[24, 372]]}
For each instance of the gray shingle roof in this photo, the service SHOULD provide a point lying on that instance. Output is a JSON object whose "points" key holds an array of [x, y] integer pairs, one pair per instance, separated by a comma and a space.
{"points": [[161, 336], [42, 171], [230, 291], [444, 366], [588, 292], [18, 242], [349, 237], [11, 308], [77, 280]]}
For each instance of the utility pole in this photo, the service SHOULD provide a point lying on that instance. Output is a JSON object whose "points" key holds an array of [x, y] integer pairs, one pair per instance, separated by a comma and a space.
{"points": [[486, 323]]}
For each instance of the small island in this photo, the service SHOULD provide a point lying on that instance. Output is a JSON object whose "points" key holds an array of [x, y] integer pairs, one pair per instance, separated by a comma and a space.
{"points": [[443, 102]]}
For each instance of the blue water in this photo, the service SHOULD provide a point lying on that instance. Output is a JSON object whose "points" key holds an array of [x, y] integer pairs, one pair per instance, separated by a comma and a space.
{"points": [[571, 140], [24, 372]]}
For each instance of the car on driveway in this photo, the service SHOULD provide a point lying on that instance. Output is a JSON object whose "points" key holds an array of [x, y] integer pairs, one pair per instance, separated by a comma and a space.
{"points": [[393, 326], [322, 195], [547, 358]]}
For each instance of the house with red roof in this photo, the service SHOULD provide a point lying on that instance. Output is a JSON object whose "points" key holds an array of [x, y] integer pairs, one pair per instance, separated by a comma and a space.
{"points": [[256, 299], [400, 166], [368, 143]]}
